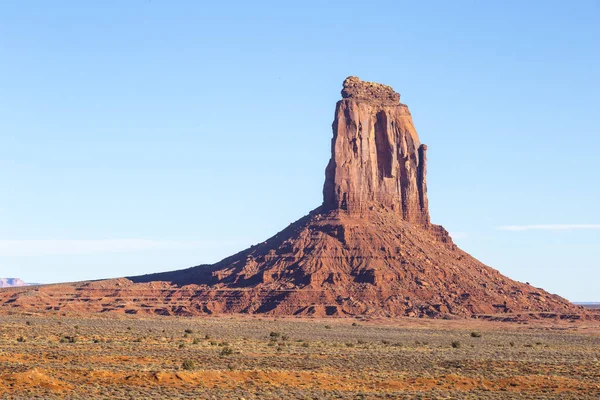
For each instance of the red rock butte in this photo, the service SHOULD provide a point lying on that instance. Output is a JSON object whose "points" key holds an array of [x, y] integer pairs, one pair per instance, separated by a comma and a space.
{"points": [[369, 249]]}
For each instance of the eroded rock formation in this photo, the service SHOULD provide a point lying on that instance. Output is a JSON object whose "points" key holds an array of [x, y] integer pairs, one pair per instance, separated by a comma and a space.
{"points": [[369, 249], [377, 160]]}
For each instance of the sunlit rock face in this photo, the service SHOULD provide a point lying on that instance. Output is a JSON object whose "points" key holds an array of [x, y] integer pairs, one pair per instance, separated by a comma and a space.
{"points": [[377, 160]]}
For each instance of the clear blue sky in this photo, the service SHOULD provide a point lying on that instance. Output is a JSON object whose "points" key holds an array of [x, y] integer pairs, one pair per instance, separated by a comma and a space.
{"points": [[140, 136]]}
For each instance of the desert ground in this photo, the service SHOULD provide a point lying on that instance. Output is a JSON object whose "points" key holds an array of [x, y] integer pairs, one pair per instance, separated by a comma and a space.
{"points": [[52, 356]]}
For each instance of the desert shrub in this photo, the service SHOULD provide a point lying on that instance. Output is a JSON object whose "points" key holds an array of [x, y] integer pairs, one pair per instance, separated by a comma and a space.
{"points": [[196, 341], [21, 339], [226, 351], [305, 344], [327, 327], [274, 334], [188, 365], [475, 334], [68, 339], [360, 341], [455, 344], [512, 344], [181, 345], [189, 331], [354, 324]]}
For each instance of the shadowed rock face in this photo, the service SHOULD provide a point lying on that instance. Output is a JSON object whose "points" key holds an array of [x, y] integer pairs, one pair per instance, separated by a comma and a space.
{"points": [[369, 249], [377, 160]]}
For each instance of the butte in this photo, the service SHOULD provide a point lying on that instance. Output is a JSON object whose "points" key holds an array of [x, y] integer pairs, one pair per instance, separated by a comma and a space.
{"points": [[368, 249]]}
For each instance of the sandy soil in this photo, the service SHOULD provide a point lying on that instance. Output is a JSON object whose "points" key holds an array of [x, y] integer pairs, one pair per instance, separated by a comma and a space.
{"points": [[133, 357]]}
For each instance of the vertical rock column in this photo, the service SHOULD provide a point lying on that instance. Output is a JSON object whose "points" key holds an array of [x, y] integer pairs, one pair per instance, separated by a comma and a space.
{"points": [[377, 160]]}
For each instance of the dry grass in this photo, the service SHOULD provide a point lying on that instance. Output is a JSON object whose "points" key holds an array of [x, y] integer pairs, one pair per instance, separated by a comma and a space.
{"points": [[53, 356]]}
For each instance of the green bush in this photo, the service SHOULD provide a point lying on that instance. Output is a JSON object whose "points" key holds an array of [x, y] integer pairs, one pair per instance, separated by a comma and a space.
{"points": [[188, 365]]}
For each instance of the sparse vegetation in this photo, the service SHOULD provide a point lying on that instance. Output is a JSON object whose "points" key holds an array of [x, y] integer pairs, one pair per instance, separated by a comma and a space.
{"points": [[68, 339], [391, 360], [188, 365], [226, 351]]}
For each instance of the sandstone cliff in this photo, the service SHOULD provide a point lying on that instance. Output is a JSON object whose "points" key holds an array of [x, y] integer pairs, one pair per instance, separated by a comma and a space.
{"points": [[377, 160]]}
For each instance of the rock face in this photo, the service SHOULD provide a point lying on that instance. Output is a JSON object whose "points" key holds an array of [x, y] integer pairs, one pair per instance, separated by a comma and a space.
{"points": [[11, 282], [377, 160], [369, 249]]}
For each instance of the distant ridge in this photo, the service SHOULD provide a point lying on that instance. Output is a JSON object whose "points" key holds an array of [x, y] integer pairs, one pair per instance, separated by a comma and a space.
{"points": [[12, 282], [588, 305]]}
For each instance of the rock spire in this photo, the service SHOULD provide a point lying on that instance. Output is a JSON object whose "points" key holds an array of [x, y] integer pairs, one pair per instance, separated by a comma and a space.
{"points": [[377, 160]]}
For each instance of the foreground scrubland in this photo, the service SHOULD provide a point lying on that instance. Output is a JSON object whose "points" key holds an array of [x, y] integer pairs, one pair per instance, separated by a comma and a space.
{"points": [[129, 357]]}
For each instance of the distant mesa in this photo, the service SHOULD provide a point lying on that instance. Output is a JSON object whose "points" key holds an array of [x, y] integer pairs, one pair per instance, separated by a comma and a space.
{"points": [[369, 248], [594, 305], [12, 282]]}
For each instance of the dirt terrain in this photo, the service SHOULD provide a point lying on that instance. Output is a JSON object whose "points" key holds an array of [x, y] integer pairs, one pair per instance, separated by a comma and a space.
{"points": [[231, 357]]}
